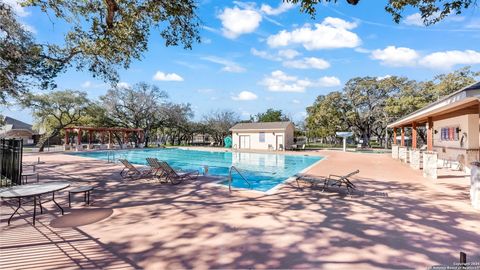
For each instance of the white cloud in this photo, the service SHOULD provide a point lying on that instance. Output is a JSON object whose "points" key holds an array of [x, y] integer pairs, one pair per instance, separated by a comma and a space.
{"points": [[383, 77], [283, 7], [91, 85], [362, 50], [245, 96], [278, 81], [307, 63], [330, 34], [288, 53], [395, 56], [86, 84], [328, 81], [414, 19], [237, 21], [448, 59], [161, 76], [295, 101], [17, 8], [417, 20], [281, 54], [228, 66], [265, 55], [29, 28], [123, 85]]}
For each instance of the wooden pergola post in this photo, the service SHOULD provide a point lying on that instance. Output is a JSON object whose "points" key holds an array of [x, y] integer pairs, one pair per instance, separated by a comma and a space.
{"points": [[402, 142], [125, 137], [430, 134], [66, 136], [79, 136], [414, 135], [394, 136], [90, 137]]}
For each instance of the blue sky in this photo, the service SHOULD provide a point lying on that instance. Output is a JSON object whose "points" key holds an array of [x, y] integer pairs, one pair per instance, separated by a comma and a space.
{"points": [[266, 54]]}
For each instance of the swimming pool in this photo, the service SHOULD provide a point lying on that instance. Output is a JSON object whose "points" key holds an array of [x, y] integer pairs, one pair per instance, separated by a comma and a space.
{"points": [[263, 171]]}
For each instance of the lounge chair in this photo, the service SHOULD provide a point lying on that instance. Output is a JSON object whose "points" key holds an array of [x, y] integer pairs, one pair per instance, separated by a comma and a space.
{"points": [[176, 177], [130, 171], [156, 167], [339, 180], [332, 181]]}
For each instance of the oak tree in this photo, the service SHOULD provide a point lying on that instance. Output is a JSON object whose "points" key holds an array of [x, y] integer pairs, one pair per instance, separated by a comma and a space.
{"points": [[431, 11]]}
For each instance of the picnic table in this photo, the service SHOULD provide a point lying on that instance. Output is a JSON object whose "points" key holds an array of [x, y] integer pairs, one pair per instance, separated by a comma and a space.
{"points": [[35, 191]]}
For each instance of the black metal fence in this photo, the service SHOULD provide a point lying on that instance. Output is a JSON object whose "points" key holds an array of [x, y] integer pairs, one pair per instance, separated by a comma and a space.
{"points": [[11, 152]]}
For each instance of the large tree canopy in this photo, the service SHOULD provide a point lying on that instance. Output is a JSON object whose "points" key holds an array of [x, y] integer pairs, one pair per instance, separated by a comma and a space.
{"points": [[21, 62], [271, 115], [103, 36], [432, 11], [56, 110], [138, 106]]}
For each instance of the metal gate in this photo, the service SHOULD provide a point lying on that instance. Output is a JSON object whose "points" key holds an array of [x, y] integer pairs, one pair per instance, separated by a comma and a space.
{"points": [[11, 152]]}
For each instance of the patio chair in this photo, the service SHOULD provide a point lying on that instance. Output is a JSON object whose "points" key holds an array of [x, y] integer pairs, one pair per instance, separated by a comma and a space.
{"points": [[130, 171], [332, 180], [175, 177], [156, 167], [339, 180]]}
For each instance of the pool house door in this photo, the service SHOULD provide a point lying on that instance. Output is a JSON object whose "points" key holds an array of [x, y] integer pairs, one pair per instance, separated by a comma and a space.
{"points": [[244, 141], [279, 142]]}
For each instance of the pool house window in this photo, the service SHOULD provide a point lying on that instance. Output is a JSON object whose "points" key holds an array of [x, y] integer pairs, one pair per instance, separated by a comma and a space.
{"points": [[261, 137]]}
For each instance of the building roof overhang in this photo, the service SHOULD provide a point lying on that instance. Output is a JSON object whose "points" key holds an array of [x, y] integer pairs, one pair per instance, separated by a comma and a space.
{"points": [[464, 98]]}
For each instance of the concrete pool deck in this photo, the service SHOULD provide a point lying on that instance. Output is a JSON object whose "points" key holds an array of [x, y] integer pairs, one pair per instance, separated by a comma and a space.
{"points": [[397, 220]]}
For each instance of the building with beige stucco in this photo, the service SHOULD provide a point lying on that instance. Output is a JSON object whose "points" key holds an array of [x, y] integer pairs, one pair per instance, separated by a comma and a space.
{"points": [[452, 127], [263, 136]]}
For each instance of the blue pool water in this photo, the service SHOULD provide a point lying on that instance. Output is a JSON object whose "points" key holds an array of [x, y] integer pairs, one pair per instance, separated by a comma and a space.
{"points": [[263, 171]]}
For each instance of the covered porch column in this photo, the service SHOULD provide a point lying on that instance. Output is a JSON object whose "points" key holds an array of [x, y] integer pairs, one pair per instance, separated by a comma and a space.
{"points": [[415, 153], [430, 157], [394, 144], [402, 150]]}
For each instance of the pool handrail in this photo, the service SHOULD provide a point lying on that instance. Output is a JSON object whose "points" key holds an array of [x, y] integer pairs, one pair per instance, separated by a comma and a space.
{"points": [[230, 177]]}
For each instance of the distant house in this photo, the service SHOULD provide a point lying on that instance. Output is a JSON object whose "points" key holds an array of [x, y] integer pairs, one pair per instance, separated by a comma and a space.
{"points": [[14, 128], [263, 136]]}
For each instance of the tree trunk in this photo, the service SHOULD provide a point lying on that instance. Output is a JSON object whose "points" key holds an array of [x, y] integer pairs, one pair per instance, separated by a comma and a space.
{"points": [[44, 139], [366, 139]]}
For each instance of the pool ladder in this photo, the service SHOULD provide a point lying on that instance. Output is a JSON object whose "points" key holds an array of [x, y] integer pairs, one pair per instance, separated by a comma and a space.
{"points": [[111, 157], [233, 168]]}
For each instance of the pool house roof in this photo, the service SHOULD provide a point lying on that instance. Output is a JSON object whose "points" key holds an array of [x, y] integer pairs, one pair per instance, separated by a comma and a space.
{"points": [[261, 126]]}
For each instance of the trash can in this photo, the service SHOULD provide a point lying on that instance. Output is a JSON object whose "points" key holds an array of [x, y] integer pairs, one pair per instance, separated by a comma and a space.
{"points": [[475, 185]]}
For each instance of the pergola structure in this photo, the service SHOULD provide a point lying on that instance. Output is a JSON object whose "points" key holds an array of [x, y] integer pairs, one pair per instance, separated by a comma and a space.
{"points": [[103, 131]]}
